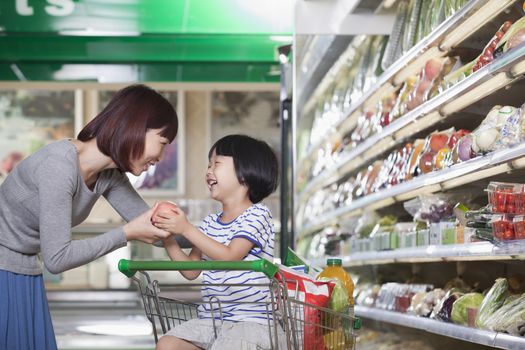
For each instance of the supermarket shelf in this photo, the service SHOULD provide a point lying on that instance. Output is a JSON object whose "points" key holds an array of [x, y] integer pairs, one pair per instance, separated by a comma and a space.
{"points": [[447, 35], [436, 253], [475, 169], [472, 335], [470, 90]]}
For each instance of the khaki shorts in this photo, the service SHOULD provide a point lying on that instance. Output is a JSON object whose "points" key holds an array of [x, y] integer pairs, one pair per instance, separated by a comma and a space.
{"points": [[230, 335]]}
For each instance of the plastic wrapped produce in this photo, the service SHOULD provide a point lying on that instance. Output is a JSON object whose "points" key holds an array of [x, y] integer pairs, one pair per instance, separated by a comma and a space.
{"points": [[509, 318], [434, 208], [373, 69], [487, 55], [443, 309], [387, 104], [423, 27], [510, 134], [460, 307], [428, 302], [493, 301], [426, 79], [487, 137], [464, 149], [512, 38], [394, 44], [413, 163], [410, 31], [400, 107]]}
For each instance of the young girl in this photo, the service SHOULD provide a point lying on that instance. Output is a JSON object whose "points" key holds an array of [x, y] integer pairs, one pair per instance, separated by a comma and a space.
{"points": [[242, 171]]}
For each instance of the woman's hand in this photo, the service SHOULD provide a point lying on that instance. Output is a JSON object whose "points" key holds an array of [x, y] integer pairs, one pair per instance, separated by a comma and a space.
{"points": [[141, 229], [173, 220]]}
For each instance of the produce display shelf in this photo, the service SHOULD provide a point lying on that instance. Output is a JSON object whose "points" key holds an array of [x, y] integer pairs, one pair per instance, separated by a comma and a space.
{"points": [[486, 81], [472, 335], [512, 250], [498, 162], [448, 34], [322, 52]]}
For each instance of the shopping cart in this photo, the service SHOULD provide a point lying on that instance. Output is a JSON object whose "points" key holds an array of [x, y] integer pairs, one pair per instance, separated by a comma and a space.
{"points": [[291, 323]]}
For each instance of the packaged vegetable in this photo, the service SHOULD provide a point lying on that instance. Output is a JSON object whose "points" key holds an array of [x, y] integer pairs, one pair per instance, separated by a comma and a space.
{"points": [[459, 308], [487, 56], [492, 301], [510, 318], [511, 38], [393, 47], [443, 310]]}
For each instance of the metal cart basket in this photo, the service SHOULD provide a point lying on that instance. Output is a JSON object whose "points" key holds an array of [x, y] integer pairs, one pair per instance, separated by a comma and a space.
{"points": [[290, 323]]}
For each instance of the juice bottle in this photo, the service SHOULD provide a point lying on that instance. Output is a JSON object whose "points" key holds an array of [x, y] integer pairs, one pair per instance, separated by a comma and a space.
{"points": [[334, 269]]}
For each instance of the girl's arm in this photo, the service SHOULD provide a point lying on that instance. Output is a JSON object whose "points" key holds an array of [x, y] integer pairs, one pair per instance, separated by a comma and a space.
{"points": [[177, 223], [236, 250], [176, 254]]}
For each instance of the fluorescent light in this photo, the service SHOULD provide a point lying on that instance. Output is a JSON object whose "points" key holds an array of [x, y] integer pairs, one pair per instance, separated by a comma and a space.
{"points": [[282, 38], [418, 125], [478, 175], [480, 91], [473, 22], [96, 32], [103, 73]]}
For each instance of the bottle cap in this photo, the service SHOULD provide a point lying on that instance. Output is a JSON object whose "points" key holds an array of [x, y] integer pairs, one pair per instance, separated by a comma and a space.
{"points": [[334, 262]]}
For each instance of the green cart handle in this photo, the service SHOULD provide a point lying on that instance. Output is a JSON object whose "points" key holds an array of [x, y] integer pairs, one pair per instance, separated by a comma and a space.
{"points": [[130, 267]]}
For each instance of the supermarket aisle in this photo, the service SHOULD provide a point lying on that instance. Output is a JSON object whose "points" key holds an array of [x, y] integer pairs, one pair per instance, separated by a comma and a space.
{"points": [[100, 320]]}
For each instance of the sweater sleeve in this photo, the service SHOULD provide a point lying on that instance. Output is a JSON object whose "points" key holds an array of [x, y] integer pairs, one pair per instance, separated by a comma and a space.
{"points": [[129, 204], [123, 197], [56, 187]]}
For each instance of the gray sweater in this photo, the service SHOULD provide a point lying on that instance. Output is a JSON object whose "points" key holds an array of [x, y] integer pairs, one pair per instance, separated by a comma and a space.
{"points": [[43, 197]]}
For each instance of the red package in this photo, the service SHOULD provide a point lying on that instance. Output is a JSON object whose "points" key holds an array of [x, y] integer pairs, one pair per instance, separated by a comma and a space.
{"points": [[314, 294]]}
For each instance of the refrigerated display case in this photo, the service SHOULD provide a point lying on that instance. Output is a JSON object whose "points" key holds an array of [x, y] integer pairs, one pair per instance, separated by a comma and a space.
{"points": [[445, 66]]}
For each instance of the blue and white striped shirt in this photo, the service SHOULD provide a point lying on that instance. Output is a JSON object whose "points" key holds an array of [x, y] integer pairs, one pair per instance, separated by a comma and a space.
{"points": [[254, 224]]}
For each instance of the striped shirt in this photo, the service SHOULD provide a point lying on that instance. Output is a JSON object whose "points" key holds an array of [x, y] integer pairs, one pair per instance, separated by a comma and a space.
{"points": [[254, 224]]}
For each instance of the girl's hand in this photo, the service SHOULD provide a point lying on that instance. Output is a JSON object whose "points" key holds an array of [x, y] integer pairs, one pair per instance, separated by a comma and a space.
{"points": [[141, 229], [173, 220]]}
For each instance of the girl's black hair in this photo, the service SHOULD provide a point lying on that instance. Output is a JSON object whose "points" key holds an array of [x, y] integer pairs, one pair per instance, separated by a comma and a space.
{"points": [[255, 164]]}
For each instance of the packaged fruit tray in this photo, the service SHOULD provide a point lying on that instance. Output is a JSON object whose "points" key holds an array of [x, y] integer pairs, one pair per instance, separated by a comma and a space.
{"points": [[506, 198]]}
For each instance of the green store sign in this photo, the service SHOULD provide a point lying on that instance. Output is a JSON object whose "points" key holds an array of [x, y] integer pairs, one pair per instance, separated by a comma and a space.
{"points": [[242, 34]]}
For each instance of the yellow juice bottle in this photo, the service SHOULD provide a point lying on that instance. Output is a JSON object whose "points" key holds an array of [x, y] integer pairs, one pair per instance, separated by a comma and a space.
{"points": [[334, 269]]}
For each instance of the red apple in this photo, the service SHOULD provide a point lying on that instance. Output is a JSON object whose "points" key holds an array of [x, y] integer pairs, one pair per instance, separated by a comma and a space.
{"points": [[164, 206], [438, 141]]}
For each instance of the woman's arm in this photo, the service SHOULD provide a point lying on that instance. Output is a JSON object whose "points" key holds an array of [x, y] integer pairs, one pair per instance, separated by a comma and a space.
{"points": [[56, 180], [131, 206]]}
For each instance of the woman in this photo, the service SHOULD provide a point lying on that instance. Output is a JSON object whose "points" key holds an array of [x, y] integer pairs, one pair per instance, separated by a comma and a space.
{"points": [[55, 189]]}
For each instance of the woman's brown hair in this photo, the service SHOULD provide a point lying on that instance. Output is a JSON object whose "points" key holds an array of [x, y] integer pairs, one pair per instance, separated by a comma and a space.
{"points": [[120, 129]]}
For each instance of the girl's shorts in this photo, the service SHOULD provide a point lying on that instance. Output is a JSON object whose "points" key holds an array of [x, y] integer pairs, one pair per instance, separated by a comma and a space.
{"points": [[230, 335]]}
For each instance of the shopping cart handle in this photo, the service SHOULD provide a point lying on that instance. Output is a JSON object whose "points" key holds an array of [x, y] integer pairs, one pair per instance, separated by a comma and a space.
{"points": [[129, 267]]}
